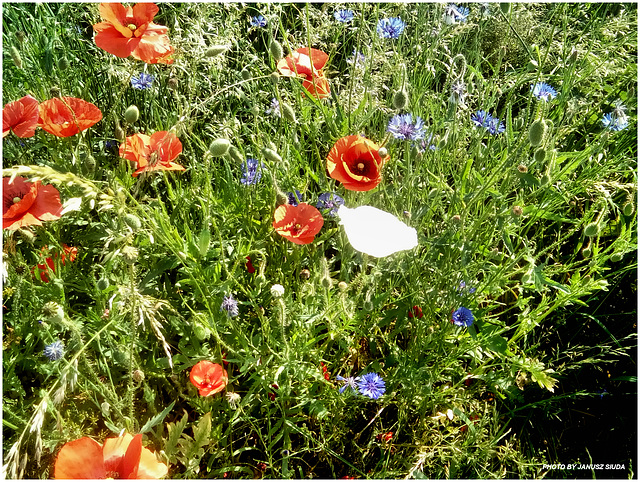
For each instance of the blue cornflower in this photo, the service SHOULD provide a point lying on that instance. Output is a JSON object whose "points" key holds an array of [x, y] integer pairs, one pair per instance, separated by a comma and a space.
{"points": [[344, 16], [371, 385], [617, 119], [251, 172], [294, 197], [390, 27], [424, 143], [544, 91], [274, 108], [486, 120], [453, 14], [142, 81], [402, 127], [462, 317], [109, 144], [258, 21], [331, 201], [357, 57], [458, 93], [230, 305], [348, 382], [54, 351]]}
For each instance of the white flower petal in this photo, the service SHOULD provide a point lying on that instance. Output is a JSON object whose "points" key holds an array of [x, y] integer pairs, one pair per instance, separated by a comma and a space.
{"points": [[72, 204], [376, 232]]}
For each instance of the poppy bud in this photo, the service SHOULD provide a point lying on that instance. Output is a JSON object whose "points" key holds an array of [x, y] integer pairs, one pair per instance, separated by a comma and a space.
{"points": [[236, 155], [537, 132], [103, 284], [271, 155], [274, 77], [106, 408], [55, 91], [137, 375], [15, 55], [586, 252], [119, 134], [591, 230], [219, 147], [368, 305], [545, 179], [627, 209], [246, 75], [539, 155], [261, 279], [132, 114], [433, 193], [532, 66], [383, 152], [133, 221], [456, 218], [276, 49], [326, 282], [288, 112], [90, 164], [400, 99], [305, 274], [215, 50], [281, 198], [342, 286], [506, 8], [63, 63]]}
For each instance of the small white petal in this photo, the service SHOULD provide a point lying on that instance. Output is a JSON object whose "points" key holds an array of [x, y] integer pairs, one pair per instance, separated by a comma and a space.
{"points": [[72, 204], [376, 232]]}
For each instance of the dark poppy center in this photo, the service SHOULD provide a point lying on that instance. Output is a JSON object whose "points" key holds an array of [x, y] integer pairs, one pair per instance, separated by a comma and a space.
{"points": [[360, 167], [9, 199]]}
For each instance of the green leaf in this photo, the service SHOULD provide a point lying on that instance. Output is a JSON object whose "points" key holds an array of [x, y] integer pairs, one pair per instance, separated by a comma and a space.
{"points": [[200, 435], [175, 430], [157, 419], [203, 241]]}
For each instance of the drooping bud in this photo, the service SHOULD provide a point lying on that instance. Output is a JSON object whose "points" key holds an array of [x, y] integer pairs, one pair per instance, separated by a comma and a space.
{"points": [[288, 112], [400, 99], [616, 257], [236, 155], [133, 221], [540, 155], [15, 56], [573, 56], [591, 230], [281, 198], [383, 152], [118, 133], [219, 147], [246, 75], [90, 164], [271, 155], [537, 132], [215, 50], [132, 114], [545, 179], [628, 209], [276, 50], [506, 8], [326, 282]]}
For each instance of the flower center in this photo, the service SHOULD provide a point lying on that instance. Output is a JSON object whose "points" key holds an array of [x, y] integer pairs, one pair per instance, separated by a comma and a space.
{"points": [[16, 200], [132, 27]]}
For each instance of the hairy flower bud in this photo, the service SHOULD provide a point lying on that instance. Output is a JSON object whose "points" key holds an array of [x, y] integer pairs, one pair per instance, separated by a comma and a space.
{"points": [[628, 209], [400, 99], [132, 221], [505, 7], [591, 230], [15, 56], [281, 198], [172, 83], [219, 147], [129, 254], [271, 155], [63, 63], [537, 132], [246, 75], [540, 155], [276, 49], [288, 112], [236, 155], [215, 50], [103, 284], [342, 286], [132, 114], [532, 66]]}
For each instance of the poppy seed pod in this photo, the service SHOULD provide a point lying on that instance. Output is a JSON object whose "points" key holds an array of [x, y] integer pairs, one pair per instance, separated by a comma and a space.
{"points": [[132, 114], [271, 155], [540, 155], [219, 147], [215, 50], [537, 132], [400, 99], [132, 221], [276, 49], [591, 230], [545, 179], [15, 56], [103, 284], [288, 112]]}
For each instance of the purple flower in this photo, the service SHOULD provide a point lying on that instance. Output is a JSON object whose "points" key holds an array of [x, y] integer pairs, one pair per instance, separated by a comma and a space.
{"points": [[330, 201], [348, 382], [390, 27], [294, 197], [251, 172], [357, 57], [403, 127], [54, 351], [371, 385], [230, 305], [142, 81], [544, 91], [462, 317], [274, 108]]}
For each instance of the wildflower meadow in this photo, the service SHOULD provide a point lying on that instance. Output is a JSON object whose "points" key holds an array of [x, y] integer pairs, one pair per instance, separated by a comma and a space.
{"points": [[322, 240]]}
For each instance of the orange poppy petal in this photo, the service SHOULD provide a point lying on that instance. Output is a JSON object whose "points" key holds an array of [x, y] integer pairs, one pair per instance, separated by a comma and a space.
{"points": [[111, 40], [66, 116], [299, 224], [171, 166], [136, 149], [150, 467], [47, 205], [208, 377], [19, 188], [143, 13], [20, 116], [166, 145], [116, 14], [131, 460], [80, 459], [114, 450], [318, 57], [153, 49], [318, 87]]}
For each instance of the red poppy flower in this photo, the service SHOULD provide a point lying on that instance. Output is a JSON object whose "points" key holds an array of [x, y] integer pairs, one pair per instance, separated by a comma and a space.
{"points": [[49, 263], [130, 31], [66, 116], [385, 437], [208, 377], [299, 224], [21, 117], [152, 153], [249, 265], [355, 162], [307, 64], [119, 458], [415, 311], [27, 204]]}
